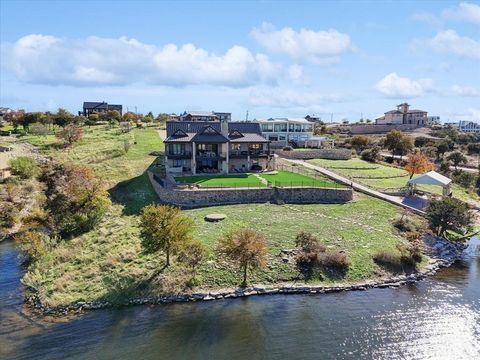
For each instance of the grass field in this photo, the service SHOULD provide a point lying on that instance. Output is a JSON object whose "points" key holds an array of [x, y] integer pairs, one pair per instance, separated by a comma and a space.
{"points": [[382, 177], [102, 149], [237, 180], [108, 263]]}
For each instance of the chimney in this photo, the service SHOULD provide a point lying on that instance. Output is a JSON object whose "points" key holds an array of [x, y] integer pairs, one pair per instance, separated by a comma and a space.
{"points": [[224, 127]]}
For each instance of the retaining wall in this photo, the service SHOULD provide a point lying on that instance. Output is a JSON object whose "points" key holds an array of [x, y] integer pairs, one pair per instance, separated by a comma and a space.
{"points": [[332, 154], [189, 198]]}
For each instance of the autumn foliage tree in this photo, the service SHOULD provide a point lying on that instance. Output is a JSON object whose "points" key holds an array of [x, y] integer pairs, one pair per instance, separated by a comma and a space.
{"points": [[163, 228], [76, 200], [418, 163], [70, 134], [246, 247]]}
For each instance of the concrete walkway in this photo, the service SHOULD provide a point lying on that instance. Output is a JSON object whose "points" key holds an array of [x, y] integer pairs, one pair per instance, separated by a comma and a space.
{"points": [[396, 200]]}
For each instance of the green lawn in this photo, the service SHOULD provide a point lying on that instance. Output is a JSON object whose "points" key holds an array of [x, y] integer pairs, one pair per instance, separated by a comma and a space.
{"points": [[288, 178], [108, 262], [382, 177], [237, 180], [279, 178]]}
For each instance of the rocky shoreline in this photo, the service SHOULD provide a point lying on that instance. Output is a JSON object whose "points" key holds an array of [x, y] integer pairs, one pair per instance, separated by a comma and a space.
{"points": [[441, 252]]}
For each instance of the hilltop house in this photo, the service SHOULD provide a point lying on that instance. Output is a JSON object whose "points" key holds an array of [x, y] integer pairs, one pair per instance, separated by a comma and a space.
{"points": [[404, 116], [468, 126], [194, 147], [205, 116], [90, 107]]}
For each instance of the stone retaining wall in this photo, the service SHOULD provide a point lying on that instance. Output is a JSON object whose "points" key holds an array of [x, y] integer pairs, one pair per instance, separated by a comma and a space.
{"points": [[332, 154], [189, 198]]}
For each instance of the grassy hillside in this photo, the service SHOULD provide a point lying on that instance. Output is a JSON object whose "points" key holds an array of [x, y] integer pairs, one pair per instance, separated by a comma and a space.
{"points": [[108, 263]]}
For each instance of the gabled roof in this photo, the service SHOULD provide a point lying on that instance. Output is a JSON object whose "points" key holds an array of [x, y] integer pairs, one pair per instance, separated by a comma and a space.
{"points": [[201, 131], [431, 178], [234, 133]]}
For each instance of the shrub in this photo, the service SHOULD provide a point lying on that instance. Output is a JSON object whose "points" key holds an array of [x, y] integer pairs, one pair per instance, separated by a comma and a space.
{"points": [[70, 133], [464, 179], [24, 167], [39, 129], [310, 247], [387, 259], [9, 215], [333, 260], [32, 244], [371, 155], [473, 148], [287, 148]]}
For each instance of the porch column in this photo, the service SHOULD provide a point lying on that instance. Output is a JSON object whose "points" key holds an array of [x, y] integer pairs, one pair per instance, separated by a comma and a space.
{"points": [[227, 153], [194, 155], [248, 157]]}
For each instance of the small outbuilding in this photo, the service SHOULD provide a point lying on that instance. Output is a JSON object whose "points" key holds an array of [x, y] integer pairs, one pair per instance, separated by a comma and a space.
{"points": [[432, 178]]}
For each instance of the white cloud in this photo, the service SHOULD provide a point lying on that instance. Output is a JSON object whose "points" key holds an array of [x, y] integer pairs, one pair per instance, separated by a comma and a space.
{"points": [[470, 114], [290, 99], [393, 85], [320, 47], [465, 90], [46, 59], [427, 18], [449, 41], [467, 12]]}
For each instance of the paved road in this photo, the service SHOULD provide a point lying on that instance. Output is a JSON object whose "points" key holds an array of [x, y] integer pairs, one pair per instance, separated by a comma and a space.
{"points": [[396, 200]]}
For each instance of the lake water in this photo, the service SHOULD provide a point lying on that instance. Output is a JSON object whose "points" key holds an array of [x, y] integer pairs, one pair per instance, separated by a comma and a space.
{"points": [[438, 318]]}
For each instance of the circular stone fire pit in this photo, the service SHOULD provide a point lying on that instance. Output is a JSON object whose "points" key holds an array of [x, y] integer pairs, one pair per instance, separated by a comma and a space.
{"points": [[215, 217]]}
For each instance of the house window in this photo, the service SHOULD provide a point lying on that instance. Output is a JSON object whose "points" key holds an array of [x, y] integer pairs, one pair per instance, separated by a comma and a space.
{"points": [[235, 147], [177, 149], [178, 163]]}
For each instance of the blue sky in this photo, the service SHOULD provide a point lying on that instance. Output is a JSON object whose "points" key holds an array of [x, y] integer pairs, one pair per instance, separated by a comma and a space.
{"points": [[345, 58]]}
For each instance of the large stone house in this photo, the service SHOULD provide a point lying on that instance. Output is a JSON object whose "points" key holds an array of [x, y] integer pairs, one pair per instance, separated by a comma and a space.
{"points": [[404, 116], [194, 147]]}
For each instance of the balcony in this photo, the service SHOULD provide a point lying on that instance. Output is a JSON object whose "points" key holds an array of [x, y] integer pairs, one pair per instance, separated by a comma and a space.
{"points": [[211, 155], [181, 155], [236, 154]]}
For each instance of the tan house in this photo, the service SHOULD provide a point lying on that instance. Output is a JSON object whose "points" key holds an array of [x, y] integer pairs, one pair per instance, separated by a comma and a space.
{"points": [[404, 116]]}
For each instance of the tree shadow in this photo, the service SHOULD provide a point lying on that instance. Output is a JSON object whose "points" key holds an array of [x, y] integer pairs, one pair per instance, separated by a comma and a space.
{"points": [[135, 193], [123, 287]]}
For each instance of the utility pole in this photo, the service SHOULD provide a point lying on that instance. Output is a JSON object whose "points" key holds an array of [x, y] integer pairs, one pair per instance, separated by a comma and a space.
{"points": [[331, 118], [246, 116]]}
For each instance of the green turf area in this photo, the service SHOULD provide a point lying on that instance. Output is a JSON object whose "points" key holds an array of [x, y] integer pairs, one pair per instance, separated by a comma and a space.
{"points": [[287, 178], [237, 180], [383, 177], [108, 263], [278, 178]]}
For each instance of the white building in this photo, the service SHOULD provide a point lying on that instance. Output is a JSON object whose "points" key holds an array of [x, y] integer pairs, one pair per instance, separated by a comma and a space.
{"points": [[468, 126], [291, 131]]}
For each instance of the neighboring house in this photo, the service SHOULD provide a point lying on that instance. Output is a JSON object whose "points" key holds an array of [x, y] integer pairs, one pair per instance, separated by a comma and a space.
{"points": [[404, 116], [205, 116], [173, 117], [98, 107], [194, 147], [292, 131], [468, 126], [313, 118]]}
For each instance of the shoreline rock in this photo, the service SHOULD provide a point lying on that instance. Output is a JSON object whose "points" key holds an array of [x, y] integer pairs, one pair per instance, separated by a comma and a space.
{"points": [[441, 252]]}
